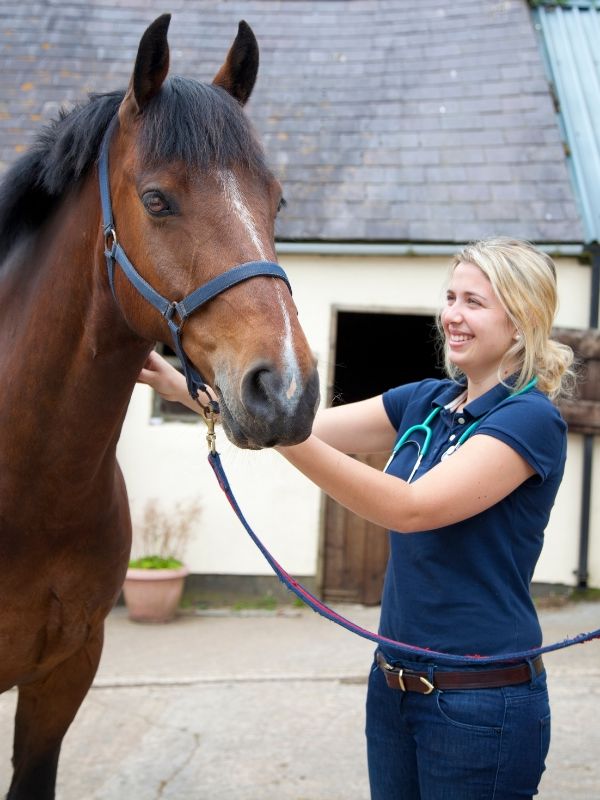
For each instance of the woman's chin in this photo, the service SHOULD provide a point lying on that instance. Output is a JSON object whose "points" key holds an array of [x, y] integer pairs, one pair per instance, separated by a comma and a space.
{"points": [[457, 358]]}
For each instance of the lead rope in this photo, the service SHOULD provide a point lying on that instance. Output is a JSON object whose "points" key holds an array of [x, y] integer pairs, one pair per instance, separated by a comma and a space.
{"points": [[214, 459]]}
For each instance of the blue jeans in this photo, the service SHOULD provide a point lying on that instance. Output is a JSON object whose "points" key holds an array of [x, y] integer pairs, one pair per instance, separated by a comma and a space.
{"points": [[473, 744]]}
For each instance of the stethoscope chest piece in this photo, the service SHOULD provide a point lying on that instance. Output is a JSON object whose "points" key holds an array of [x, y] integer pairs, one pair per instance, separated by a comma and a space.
{"points": [[452, 449]]}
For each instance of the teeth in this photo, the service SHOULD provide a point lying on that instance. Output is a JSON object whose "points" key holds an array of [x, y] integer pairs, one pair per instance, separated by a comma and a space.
{"points": [[456, 337]]}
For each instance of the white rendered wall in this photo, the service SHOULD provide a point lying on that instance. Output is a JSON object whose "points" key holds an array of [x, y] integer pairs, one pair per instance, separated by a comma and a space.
{"points": [[168, 461]]}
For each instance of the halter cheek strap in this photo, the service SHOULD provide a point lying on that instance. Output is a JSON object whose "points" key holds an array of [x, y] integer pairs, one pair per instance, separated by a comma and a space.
{"points": [[175, 312]]}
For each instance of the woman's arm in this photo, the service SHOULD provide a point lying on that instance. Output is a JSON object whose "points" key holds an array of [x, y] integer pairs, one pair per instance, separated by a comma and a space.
{"points": [[362, 427], [482, 472], [477, 476]]}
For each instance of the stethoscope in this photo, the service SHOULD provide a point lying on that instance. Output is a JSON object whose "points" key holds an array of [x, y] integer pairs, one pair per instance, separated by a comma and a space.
{"points": [[425, 428]]}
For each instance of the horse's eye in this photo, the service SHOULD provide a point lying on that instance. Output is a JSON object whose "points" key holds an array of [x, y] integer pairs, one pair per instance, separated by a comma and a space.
{"points": [[155, 203], [282, 204]]}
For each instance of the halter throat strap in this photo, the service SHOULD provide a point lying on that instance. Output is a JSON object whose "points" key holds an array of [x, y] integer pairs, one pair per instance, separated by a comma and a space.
{"points": [[175, 312]]}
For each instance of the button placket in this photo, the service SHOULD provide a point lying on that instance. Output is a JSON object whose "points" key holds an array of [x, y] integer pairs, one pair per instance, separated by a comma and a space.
{"points": [[439, 443]]}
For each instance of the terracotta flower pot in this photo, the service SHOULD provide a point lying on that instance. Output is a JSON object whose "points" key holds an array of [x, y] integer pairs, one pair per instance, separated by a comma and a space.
{"points": [[153, 595]]}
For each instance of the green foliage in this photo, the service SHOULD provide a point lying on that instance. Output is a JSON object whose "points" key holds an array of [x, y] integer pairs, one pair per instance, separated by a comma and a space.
{"points": [[551, 3], [582, 4], [588, 595], [155, 562], [265, 603]]}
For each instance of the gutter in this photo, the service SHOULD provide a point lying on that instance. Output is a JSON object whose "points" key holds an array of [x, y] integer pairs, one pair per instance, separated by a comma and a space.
{"points": [[407, 249]]}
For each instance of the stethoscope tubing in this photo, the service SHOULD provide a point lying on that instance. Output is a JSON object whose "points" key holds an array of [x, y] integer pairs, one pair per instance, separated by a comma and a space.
{"points": [[425, 427]]}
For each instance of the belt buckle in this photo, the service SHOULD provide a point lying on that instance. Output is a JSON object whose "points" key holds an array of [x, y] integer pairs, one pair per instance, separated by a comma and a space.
{"points": [[400, 680], [429, 687]]}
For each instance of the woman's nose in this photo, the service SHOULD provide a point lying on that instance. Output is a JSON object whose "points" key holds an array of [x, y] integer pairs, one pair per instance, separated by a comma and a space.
{"points": [[454, 313]]}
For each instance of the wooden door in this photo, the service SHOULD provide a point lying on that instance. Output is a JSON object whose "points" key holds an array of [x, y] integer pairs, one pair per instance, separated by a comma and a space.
{"points": [[355, 554]]}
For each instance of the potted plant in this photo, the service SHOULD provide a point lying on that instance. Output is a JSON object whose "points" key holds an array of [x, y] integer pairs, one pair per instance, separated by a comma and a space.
{"points": [[156, 574]]}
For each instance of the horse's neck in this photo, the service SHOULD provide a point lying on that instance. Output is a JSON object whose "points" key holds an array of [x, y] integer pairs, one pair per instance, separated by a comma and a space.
{"points": [[72, 361]]}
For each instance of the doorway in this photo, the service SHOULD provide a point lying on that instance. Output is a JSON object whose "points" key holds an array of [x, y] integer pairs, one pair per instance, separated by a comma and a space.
{"points": [[373, 352]]}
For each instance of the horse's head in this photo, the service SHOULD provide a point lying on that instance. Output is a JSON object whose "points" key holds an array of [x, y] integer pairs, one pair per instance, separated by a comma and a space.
{"points": [[192, 198]]}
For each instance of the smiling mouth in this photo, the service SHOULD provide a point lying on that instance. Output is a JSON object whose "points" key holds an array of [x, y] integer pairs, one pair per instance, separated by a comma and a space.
{"points": [[459, 338]]}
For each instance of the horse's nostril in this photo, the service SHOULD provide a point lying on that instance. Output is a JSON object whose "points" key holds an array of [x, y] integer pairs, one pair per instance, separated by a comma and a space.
{"points": [[272, 414], [257, 384], [259, 389]]}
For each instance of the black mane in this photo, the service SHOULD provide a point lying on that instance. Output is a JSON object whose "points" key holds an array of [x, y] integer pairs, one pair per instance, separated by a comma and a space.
{"points": [[197, 124]]}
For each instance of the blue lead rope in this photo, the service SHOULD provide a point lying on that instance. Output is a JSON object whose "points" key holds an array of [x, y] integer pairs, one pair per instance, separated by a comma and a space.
{"points": [[389, 645]]}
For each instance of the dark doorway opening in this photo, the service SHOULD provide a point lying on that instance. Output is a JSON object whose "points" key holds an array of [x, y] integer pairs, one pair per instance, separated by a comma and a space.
{"points": [[374, 352]]}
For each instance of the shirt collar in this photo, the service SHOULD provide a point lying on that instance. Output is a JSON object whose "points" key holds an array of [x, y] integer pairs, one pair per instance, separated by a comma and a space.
{"points": [[478, 407]]}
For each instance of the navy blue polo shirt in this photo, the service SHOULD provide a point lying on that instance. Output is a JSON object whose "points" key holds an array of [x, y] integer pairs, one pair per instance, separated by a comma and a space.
{"points": [[464, 588]]}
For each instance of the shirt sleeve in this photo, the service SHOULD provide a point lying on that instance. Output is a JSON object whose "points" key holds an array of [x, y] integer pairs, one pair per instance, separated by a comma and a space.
{"points": [[533, 427], [396, 400]]}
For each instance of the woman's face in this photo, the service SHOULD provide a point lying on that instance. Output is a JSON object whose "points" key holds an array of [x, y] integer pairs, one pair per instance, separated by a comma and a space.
{"points": [[477, 329]]}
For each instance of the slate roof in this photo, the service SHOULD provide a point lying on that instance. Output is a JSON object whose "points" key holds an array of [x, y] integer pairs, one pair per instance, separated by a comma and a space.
{"points": [[386, 120], [571, 37]]}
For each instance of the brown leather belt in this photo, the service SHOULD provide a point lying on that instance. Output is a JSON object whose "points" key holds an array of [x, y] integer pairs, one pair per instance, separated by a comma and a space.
{"points": [[410, 681]]}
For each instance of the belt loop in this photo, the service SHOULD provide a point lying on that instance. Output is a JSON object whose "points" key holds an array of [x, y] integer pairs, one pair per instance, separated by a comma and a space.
{"points": [[532, 672], [431, 673]]}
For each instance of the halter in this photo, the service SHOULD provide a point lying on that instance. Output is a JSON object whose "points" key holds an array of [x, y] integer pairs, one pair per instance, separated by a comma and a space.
{"points": [[174, 312]]}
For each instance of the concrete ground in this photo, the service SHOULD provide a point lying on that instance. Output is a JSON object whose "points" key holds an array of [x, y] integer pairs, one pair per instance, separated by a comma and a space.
{"points": [[271, 707]]}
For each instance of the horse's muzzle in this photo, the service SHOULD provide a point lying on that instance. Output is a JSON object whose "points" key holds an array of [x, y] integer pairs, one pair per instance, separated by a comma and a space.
{"points": [[272, 409]]}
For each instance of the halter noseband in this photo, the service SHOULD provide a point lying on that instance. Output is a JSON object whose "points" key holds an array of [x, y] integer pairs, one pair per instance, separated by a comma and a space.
{"points": [[174, 312]]}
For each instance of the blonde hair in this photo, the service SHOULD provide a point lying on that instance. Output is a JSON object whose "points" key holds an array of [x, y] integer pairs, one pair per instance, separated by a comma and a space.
{"points": [[524, 280]]}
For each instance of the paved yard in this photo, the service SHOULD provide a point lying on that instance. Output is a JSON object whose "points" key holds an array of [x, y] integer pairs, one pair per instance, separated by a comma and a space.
{"points": [[270, 707]]}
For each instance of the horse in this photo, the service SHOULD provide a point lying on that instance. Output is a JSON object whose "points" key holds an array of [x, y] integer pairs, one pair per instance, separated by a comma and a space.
{"points": [[192, 196]]}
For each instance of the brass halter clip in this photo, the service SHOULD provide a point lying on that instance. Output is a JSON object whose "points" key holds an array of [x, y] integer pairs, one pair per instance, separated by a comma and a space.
{"points": [[210, 417]]}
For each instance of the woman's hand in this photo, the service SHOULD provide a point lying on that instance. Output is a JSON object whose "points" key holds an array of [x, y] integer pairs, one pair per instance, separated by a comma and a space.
{"points": [[169, 383], [163, 378]]}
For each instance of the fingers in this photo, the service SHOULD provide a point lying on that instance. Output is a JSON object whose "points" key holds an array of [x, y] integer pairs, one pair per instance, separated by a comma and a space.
{"points": [[145, 376], [157, 373], [156, 362], [169, 382]]}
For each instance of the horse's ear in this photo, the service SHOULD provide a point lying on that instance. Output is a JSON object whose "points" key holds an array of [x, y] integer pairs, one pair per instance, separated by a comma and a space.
{"points": [[238, 73], [151, 66]]}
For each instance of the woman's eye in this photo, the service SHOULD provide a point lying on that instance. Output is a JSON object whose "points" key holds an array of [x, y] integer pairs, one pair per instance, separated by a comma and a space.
{"points": [[155, 203]]}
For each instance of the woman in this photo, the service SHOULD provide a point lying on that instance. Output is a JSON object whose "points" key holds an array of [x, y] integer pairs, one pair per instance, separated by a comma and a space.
{"points": [[467, 513]]}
